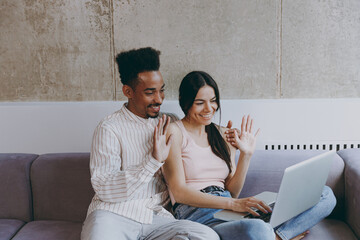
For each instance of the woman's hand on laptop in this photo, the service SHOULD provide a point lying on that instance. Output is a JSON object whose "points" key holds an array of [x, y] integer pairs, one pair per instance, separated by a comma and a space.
{"points": [[250, 205]]}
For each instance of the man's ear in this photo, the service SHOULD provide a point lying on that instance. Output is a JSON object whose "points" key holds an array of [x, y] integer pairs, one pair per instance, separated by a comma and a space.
{"points": [[128, 91]]}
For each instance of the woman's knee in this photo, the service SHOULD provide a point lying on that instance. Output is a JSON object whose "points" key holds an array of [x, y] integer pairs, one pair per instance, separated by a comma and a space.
{"points": [[249, 229], [329, 198], [258, 229]]}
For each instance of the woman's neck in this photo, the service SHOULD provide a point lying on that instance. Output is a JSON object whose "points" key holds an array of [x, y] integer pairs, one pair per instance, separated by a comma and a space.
{"points": [[196, 129]]}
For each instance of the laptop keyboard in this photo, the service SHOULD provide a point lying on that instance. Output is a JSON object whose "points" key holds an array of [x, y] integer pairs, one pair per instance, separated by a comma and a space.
{"points": [[263, 216]]}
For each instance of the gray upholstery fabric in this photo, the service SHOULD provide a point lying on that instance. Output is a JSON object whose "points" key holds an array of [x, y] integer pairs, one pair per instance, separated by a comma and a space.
{"points": [[8, 228], [61, 186], [352, 187], [62, 192], [15, 190], [267, 168], [331, 229], [50, 230]]}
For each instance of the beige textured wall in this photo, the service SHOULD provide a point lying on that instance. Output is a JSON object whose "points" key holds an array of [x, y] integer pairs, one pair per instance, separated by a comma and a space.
{"points": [[63, 50], [55, 50]]}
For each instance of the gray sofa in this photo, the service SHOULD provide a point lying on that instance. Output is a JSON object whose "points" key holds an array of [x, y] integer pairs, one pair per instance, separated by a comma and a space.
{"points": [[47, 196], [44, 197]]}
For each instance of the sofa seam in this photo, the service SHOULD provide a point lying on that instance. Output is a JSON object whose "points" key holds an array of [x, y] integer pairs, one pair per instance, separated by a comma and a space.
{"points": [[31, 189]]}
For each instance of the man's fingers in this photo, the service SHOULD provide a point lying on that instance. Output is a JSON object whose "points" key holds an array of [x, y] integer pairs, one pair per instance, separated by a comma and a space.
{"points": [[164, 116], [236, 134], [229, 124], [230, 135], [229, 131], [166, 126], [155, 134], [161, 126], [169, 141]]}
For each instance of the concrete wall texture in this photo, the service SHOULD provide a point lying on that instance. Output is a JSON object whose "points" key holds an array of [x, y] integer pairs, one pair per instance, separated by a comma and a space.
{"points": [[64, 50]]}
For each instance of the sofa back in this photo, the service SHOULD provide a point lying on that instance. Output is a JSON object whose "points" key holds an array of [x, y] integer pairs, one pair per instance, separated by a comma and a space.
{"points": [[267, 168], [15, 187], [352, 179], [61, 186]]}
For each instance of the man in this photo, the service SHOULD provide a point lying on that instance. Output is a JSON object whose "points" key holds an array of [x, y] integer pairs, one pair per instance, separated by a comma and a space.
{"points": [[128, 149]]}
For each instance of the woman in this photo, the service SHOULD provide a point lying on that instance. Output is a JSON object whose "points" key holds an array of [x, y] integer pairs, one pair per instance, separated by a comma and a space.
{"points": [[202, 175]]}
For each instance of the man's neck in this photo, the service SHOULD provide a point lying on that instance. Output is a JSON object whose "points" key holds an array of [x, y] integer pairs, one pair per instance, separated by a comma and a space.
{"points": [[130, 107]]}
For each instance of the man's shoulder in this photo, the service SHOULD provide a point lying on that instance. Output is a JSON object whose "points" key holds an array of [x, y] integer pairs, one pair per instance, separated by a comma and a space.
{"points": [[115, 119]]}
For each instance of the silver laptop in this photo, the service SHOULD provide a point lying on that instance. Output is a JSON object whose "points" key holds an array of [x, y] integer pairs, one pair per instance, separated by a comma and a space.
{"points": [[300, 189]]}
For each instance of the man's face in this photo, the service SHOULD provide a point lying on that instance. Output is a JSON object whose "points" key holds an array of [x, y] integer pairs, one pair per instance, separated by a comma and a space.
{"points": [[148, 95]]}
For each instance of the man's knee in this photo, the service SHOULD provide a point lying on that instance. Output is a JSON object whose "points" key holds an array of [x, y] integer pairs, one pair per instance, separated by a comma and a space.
{"points": [[196, 231], [103, 225]]}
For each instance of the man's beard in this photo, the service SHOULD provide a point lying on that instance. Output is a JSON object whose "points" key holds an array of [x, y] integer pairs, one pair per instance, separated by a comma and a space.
{"points": [[156, 114]]}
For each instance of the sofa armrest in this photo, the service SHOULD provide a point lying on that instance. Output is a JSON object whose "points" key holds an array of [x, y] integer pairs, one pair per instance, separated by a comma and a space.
{"points": [[352, 188]]}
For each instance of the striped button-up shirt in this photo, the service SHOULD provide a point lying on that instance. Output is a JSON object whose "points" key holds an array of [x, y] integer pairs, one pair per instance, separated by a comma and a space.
{"points": [[125, 176]]}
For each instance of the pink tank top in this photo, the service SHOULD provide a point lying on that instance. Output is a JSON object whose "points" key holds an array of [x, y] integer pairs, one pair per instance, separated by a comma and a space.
{"points": [[202, 167]]}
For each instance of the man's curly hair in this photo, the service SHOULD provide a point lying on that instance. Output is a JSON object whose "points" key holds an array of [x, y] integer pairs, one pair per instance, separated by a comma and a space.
{"points": [[133, 62]]}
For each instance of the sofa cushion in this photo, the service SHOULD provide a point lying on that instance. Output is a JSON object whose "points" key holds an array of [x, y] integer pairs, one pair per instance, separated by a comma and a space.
{"points": [[331, 229], [54, 230], [15, 188], [267, 168], [61, 186], [9, 227]]}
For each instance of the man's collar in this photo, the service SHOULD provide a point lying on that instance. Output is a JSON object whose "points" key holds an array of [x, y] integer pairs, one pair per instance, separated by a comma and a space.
{"points": [[136, 118]]}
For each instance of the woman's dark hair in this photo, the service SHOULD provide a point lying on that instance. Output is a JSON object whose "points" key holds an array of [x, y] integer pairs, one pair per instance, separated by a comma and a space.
{"points": [[188, 90]]}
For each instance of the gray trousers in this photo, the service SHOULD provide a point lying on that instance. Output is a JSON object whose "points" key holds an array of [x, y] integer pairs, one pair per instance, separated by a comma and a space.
{"points": [[104, 225]]}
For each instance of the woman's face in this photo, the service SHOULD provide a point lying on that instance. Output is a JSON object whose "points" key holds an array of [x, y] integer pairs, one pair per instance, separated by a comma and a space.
{"points": [[204, 106]]}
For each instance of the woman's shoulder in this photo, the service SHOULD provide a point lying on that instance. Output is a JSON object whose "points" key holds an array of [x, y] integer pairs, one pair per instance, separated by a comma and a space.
{"points": [[174, 127], [175, 131]]}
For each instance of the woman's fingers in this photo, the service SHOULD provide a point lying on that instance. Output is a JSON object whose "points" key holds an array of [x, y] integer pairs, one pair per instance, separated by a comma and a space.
{"points": [[247, 123], [258, 204], [257, 132], [243, 124], [251, 124], [252, 211], [263, 207]]}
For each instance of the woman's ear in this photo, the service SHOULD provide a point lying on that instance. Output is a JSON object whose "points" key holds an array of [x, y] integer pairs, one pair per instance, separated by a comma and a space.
{"points": [[128, 91]]}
